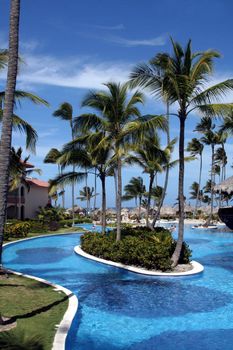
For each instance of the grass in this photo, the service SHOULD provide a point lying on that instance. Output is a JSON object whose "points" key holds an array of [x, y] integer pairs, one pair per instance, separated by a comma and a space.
{"points": [[37, 234], [35, 306]]}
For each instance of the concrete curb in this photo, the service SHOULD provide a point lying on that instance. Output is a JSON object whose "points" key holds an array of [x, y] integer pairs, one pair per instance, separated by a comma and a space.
{"points": [[197, 267], [65, 324]]}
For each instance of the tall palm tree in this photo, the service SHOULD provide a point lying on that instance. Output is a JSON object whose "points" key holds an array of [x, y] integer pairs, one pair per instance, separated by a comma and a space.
{"points": [[151, 158], [211, 138], [120, 123], [196, 192], [186, 76], [195, 147], [52, 157], [135, 189], [6, 134], [65, 112]]}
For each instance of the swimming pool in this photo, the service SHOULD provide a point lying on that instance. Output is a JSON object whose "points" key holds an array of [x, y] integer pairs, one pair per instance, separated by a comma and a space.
{"points": [[120, 310]]}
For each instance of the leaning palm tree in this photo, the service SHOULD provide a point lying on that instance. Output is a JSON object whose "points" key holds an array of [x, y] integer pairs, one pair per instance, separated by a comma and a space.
{"points": [[186, 76], [196, 147], [120, 123], [135, 189]]}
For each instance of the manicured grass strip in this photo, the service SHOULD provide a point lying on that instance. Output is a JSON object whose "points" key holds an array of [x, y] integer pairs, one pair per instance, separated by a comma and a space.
{"points": [[35, 306]]}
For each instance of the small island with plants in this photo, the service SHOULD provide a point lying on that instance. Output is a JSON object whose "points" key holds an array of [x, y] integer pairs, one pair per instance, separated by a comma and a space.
{"points": [[138, 247]]}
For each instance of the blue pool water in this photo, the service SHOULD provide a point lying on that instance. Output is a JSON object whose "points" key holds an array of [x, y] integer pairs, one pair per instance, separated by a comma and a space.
{"points": [[120, 310]]}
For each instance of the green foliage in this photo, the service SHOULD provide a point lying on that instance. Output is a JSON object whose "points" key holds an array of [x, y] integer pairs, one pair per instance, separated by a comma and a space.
{"points": [[17, 230], [69, 222], [47, 215], [139, 247]]}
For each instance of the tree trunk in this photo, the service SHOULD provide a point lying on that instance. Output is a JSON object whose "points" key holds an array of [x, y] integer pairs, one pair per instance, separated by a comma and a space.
{"points": [[6, 134], [176, 255], [212, 186], [95, 190], [199, 185], [152, 176], [119, 195], [157, 215], [103, 213]]}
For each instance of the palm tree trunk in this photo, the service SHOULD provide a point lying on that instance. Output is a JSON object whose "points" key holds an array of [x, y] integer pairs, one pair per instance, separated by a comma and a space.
{"points": [[6, 134], [103, 213], [212, 186], [176, 255], [95, 190], [152, 176], [199, 185], [157, 215], [119, 195], [115, 184], [139, 207]]}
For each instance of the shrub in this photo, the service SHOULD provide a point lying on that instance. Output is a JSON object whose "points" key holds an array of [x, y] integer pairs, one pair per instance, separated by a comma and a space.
{"points": [[20, 229], [69, 222], [139, 247]]}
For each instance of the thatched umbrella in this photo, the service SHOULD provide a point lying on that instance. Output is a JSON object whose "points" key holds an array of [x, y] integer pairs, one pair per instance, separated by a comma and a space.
{"points": [[225, 186], [168, 211]]}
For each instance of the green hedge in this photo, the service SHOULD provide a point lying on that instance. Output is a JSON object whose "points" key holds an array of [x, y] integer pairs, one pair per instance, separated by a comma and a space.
{"points": [[139, 247], [69, 222]]}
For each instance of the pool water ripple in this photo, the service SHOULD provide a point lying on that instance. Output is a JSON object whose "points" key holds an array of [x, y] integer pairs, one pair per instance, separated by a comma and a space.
{"points": [[120, 310]]}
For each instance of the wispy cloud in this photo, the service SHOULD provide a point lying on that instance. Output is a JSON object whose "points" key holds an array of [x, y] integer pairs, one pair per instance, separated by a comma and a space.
{"points": [[157, 41], [69, 72], [105, 27]]}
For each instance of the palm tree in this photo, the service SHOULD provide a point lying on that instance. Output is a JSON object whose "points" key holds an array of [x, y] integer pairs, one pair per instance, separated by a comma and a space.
{"points": [[86, 194], [152, 159], [6, 133], [186, 74], [52, 157], [120, 123], [135, 189], [195, 147], [65, 112], [196, 193], [210, 138]]}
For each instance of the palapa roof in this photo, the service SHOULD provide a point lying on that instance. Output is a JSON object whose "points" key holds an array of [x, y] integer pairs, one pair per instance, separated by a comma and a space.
{"points": [[225, 186]]}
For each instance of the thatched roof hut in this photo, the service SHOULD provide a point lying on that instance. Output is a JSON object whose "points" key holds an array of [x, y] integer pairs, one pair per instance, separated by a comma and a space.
{"points": [[225, 186], [168, 211]]}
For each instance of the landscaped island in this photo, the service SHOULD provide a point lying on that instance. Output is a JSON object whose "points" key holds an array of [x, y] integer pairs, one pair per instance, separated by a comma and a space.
{"points": [[138, 247]]}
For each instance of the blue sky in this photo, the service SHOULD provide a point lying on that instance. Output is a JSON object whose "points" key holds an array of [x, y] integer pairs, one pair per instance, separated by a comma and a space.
{"points": [[70, 47]]}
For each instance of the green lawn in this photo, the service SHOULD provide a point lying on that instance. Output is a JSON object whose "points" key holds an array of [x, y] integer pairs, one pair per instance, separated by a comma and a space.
{"points": [[36, 307]]}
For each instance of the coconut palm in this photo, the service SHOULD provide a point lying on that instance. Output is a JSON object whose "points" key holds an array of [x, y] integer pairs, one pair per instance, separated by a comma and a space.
{"points": [[6, 133], [152, 159], [195, 147], [120, 123], [86, 194], [65, 112], [82, 153], [52, 158], [196, 193], [135, 189], [184, 83]]}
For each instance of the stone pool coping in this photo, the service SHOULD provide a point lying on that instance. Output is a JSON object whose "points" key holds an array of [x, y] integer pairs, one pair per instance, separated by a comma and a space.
{"points": [[197, 267], [65, 324]]}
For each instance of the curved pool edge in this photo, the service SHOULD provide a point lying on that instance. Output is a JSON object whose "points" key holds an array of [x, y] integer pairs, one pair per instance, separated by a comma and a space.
{"points": [[197, 267], [59, 341]]}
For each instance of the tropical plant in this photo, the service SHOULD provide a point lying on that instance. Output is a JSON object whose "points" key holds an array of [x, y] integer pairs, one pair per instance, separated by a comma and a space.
{"points": [[135, 189], [196, 193], [86, 194], [119, 123], [184, 83], [16, 339], [196, 147]]}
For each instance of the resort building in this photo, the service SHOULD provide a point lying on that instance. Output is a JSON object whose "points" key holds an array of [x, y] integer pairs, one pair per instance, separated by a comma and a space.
{"points": [[24, 201]]}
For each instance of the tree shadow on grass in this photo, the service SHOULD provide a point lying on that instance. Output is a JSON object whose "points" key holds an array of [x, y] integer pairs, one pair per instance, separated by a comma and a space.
{"points": [[38, 310]]}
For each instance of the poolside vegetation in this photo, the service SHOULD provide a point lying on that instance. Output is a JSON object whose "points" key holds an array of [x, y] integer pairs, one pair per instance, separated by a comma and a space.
{"points": [[139, 247]]}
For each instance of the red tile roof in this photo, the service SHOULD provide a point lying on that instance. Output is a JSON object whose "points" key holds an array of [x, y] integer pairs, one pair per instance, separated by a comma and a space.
{"points": [[38, 183]]}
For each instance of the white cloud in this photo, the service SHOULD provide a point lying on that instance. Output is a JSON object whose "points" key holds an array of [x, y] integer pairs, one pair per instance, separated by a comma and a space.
{"points": [[103, 27], [69, 72], [158, 41]]}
